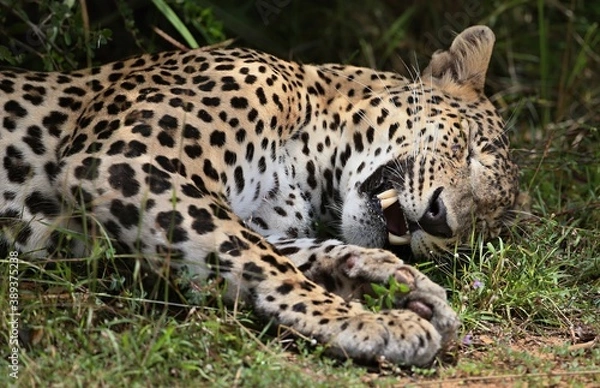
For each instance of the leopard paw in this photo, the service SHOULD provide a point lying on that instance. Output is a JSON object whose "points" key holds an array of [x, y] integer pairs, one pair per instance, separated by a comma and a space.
{"points": [[398, 336]]}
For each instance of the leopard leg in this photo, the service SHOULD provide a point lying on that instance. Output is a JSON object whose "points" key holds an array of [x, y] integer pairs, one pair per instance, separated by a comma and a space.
{"points": [[346, 269], [277, 289], [38, 225]]}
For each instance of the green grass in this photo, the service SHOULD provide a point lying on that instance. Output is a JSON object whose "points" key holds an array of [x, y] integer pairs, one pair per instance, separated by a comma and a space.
{"points": [[529, 302], [521, 311]]}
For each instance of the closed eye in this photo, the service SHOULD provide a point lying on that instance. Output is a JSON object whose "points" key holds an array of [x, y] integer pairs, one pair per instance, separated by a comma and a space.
{"points": [[464, 123]]}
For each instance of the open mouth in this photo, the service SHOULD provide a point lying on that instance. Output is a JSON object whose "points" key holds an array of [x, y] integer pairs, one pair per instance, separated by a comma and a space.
{"points": [[398, 230]]}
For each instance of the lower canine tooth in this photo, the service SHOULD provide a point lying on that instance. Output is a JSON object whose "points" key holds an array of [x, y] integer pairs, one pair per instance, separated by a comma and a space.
{"points": [[399, 240], [387, 202]]}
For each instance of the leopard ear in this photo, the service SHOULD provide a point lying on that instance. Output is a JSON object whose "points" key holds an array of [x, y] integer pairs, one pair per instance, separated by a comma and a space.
{"points": [[467, 60]]}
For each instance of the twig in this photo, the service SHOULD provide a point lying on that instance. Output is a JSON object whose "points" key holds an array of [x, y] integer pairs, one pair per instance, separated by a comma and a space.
{"points": [[170, 39], [86, 31]]}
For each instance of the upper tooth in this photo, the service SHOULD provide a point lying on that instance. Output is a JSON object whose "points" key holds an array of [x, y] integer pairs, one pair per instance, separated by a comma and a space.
{"points": [[387, 202], [387, 194], [399, 240]]}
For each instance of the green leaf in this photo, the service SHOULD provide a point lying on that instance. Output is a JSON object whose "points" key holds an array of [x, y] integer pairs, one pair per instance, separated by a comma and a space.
{"points": [[176, 22], [379, 289], [7, 56]]}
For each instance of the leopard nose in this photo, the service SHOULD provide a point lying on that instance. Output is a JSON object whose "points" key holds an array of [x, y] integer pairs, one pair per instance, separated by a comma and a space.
{"points": [[434, 221]]}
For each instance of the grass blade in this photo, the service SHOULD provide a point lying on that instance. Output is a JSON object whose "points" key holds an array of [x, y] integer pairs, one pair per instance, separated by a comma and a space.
{"points": [[176, 22]]}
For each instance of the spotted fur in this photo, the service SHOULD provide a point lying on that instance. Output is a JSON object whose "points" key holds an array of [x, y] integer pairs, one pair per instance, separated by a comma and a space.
{"points": [[219, 162]]}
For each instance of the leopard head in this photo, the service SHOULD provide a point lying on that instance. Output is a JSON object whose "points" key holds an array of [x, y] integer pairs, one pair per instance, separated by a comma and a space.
{"points": [[450, 168]]}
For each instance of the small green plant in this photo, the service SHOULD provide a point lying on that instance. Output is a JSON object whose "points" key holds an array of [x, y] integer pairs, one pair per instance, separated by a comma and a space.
{"points": [[386, 296]]}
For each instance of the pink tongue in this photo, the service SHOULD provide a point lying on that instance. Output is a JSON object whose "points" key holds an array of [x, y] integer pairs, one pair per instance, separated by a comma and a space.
{"points": [[394, 217]]}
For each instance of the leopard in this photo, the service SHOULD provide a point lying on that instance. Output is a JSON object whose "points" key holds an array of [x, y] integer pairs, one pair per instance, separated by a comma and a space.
{"points": [[223, 164]]}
